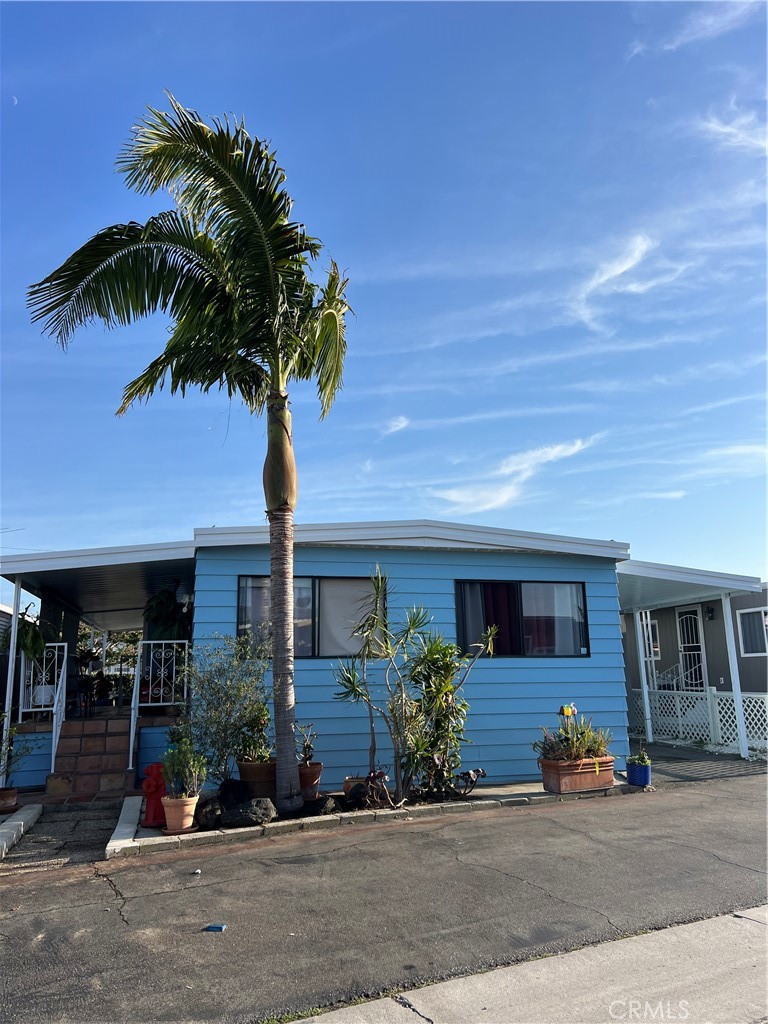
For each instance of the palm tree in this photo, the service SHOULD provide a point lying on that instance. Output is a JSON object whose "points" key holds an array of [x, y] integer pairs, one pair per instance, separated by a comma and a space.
{"points": [[231, 270]]}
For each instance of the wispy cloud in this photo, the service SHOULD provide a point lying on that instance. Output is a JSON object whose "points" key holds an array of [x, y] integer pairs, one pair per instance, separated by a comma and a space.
{"points": [[728, 461], [721, 403], [635, 49], [635, 251], [395, 425], [623, 499], [734, 129], [515, 470], [490, 415], [710, 20]]}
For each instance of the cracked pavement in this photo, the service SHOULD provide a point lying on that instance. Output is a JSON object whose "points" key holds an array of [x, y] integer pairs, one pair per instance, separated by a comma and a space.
{"points": [[316, 919]]}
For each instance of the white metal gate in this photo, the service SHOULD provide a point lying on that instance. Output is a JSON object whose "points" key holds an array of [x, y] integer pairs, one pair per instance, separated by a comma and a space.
{"points": [[693, 664]]}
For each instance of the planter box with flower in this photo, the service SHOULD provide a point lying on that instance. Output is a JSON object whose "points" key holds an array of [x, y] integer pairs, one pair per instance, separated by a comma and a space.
{"points": [[574, 758]]}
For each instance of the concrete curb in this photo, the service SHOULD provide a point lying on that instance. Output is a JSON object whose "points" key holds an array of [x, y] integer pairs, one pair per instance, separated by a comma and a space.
{"points": [[13, 828], [125, 844]]}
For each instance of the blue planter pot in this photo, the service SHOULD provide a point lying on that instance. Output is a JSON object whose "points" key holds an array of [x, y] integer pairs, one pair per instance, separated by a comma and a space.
{"points": [[639, 774]]}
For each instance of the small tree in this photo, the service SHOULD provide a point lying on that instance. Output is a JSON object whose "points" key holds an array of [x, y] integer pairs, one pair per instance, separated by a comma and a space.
{"points": [[228, 700], [418, 700]]}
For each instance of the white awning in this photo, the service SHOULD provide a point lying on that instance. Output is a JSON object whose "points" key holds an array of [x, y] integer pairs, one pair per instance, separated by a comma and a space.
{"points": [[645, 585]]}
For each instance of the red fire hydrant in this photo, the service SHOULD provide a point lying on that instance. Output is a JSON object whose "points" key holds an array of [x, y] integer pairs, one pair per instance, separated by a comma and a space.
{"points": [[154, 790]]}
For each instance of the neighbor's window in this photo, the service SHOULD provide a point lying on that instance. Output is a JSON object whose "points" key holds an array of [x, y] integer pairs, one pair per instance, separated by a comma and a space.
{"points": [[753, 631], [534, 620], [325, 613]]}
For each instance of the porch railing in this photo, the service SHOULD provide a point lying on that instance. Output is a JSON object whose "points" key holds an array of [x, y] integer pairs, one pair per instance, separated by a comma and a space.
{"points": [[160, 679], [674, 679], [695, 716], [59, 708], [41, 680]]}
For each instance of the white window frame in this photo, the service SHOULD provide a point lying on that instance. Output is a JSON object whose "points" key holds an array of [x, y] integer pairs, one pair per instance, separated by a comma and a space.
{"points": [[752, 611]]}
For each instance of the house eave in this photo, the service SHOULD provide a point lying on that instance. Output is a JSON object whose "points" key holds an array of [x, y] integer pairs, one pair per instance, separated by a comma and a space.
{"points": [[419, 534], [649, 585]]}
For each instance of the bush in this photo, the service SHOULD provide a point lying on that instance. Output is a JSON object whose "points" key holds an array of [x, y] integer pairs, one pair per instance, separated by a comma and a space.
{"points": [[228, 715]]}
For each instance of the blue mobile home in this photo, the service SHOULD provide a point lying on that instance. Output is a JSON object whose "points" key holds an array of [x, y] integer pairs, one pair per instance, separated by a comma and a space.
{"points": [[554, 599]]}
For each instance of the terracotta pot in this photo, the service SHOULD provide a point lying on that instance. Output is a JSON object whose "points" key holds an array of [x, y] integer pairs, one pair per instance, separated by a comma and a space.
{"points": [[179, 813], [577, 776], [309, 779], [8, 798], [261, 777], [353, 780]]}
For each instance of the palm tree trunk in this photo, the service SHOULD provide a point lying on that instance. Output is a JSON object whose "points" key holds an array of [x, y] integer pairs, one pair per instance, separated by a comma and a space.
{"points": [[280, 493]]}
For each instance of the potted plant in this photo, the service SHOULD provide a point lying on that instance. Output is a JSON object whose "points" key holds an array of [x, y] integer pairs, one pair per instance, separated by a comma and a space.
{"points": [[184, 772], [12, 750], [639, 769], [254, 752], [575, 758], [228, 711], [309, 770]]}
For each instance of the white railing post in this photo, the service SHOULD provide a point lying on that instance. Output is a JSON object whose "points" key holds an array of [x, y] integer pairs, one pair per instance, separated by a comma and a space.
{"points": [[11, 670], [713, 708], [733, 665], [640, 639], [59, 705], [135, 705]]}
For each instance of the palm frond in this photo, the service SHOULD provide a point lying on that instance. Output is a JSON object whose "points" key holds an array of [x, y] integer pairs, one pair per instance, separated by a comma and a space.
{"points": [[128, 271], [228, 182], [323, 343]]}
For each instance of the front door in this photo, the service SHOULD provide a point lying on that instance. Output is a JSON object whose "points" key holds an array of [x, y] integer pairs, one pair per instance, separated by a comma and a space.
{"points": [[693, 663]]}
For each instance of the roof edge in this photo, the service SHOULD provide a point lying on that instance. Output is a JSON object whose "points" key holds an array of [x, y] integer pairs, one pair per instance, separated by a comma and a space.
{"points": [[417, 533]]}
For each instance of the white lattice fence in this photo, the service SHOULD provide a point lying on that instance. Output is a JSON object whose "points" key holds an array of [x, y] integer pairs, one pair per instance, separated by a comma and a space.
{"points": [[695, 717], [755, 719], [635, 712], [680, 715]]}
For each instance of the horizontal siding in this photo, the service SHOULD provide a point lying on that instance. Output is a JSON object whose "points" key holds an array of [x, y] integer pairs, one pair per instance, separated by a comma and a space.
{"points": [[33, 770], [510, 698], [152, 745]]}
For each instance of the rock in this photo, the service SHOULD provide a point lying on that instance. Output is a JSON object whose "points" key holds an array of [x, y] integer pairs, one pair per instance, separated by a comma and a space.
{"points": [[248, 812], [356, 797], [208, 812], [233, 792]]}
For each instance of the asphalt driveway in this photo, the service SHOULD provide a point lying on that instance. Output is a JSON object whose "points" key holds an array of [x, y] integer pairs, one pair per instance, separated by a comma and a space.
{"points": [[314, 919]]}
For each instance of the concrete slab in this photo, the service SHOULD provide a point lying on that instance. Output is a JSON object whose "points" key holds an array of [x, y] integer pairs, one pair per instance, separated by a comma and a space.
{"points": [[382, 1011], [689, 970], [711, 971]]}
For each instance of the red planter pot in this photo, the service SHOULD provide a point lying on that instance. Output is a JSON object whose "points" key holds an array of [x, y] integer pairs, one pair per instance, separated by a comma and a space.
{"points": [[577, 776], [8, 799], [309, 779], [261, 778]]}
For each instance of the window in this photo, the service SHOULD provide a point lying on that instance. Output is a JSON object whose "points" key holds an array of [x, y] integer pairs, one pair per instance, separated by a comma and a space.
{"points": [[325, 612], [753, 632], [534, 620]]}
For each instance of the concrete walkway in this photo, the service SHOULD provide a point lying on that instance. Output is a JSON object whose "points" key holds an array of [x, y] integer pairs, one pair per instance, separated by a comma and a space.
{"points": [[709, 972]]}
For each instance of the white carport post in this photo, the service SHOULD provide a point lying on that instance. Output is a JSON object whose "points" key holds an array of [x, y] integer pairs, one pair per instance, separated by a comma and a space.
{"points": [[642, 633], [11, 670], [733, 665]]}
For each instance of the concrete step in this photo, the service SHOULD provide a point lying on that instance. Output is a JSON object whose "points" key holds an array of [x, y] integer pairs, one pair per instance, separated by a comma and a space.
{"points": [[63, 784]]}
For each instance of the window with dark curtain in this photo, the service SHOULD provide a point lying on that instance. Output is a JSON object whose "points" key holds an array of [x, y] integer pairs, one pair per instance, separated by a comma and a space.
{"points": [[533, 619]]}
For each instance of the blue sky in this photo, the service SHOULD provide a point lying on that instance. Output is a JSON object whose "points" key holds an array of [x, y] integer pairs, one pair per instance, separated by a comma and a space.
{"points": [[553, 220]]}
